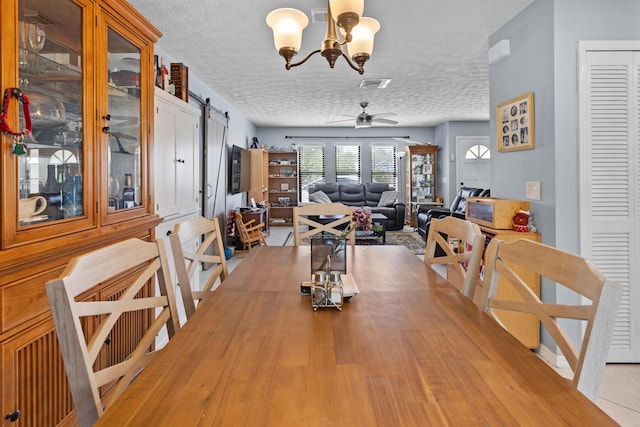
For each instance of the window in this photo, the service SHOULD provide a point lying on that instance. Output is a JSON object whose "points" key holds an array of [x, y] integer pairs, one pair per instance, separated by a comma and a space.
{"points": [[347, 164], [311, 168], [478, 152], [383, 164]]}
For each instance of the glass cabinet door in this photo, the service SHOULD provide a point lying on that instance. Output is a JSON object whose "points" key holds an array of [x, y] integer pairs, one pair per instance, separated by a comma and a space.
{"points": [[422, 179], [123, 123], [51, 164]]}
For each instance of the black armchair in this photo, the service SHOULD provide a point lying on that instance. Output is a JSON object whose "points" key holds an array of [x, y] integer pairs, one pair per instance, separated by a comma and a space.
{"points": [[457, 209]]}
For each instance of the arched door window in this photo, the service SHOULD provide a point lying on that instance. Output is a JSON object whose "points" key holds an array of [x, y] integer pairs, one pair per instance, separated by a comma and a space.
{"points": [[478, 152], [62, 157]]}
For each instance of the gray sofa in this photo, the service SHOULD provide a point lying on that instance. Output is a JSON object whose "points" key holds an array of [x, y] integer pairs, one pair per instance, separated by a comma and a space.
{"points": [[359, 195]]}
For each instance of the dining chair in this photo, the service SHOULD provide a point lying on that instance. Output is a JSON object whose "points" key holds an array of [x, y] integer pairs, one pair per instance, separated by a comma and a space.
{"points": [[465, 263], [188, 259], [329, 218], [567, 270], [86, 325], [249, 232]]}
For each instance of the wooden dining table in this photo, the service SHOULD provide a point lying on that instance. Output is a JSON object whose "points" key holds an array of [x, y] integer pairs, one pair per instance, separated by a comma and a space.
{"points": [[408, 350]]}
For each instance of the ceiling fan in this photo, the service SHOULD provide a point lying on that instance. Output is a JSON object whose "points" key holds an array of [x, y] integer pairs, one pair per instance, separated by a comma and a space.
{"points": [[366, 120]]}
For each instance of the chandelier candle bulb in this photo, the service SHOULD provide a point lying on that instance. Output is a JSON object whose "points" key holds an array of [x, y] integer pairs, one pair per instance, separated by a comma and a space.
{"points": [[287, 25], [362, 40], [347, 14]]}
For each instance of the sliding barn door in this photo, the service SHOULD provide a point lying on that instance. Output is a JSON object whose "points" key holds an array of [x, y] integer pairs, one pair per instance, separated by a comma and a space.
{"points": [[215, 167], [610, 182]]}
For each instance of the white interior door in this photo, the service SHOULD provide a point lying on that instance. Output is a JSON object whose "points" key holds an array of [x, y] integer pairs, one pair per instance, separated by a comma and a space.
{"points": [[473, 167], [609, 179]]}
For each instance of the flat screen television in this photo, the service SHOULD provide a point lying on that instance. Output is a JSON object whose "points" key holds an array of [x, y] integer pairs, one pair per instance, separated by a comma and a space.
{"points": [[239, 170]]}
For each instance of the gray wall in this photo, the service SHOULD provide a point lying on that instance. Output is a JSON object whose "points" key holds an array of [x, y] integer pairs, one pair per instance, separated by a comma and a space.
{"points": [[443, 135], [332, 136], [529, 68], [543, 60], [445, 138]]}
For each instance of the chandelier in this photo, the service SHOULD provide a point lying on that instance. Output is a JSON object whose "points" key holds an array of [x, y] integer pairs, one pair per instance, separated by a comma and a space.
{"points": [[357, 33]]}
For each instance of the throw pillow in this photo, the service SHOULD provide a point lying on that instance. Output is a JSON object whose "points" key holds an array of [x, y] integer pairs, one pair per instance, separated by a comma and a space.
{"points": [[319, 197], [388, 198]]}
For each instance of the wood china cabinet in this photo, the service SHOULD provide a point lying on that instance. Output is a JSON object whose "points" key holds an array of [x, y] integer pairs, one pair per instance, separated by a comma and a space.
{"points": [[82, 183], [421, 183]]}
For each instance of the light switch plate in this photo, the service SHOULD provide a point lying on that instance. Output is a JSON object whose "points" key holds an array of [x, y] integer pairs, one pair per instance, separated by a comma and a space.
{"points": [[533, 190]]}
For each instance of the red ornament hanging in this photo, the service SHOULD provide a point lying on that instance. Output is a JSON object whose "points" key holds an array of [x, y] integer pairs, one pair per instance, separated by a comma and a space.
{"points": [[18, 147]]}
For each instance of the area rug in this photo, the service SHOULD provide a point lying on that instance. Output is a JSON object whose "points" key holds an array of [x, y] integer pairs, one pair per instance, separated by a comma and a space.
{"points": [[410, 239]]}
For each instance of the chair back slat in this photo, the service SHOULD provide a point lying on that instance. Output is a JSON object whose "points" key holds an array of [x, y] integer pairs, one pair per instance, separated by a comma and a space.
{"points": [[467, 263], [573, 272], [304, 215], [209, 254], [138, 263]]}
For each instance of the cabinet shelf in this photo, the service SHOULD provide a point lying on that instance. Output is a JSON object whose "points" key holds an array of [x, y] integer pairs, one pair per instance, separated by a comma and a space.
{"points": [[421, 175], [283, 201]]}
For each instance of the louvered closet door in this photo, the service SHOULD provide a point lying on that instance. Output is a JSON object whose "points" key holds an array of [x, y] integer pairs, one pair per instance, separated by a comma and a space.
{"points": [[610, 190]]}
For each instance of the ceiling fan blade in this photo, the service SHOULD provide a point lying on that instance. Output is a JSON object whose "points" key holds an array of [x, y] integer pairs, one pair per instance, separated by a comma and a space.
{"points": [[385, 121], [383, 115], [342, 120]]}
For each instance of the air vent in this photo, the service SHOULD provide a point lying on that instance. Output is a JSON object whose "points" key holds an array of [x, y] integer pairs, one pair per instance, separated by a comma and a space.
{"points": [[374, 83], [319, 15]]}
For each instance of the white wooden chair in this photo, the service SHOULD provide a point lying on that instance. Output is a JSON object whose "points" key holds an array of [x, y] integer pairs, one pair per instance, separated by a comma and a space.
{"points": [[572, 272], [343, 217], [187, 262], [466, 264], [95, 386]]}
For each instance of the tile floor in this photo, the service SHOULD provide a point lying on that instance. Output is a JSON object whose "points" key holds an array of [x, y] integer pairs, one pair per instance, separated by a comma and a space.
{"points": [[620, 389]]}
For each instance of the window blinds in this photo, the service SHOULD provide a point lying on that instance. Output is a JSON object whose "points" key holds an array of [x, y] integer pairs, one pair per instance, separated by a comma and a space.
{"points": [[383, 164], [347, 163]]}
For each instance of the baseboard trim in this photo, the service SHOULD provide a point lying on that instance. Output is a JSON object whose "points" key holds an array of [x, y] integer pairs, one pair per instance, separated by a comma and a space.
{"points": [[553, 359]]}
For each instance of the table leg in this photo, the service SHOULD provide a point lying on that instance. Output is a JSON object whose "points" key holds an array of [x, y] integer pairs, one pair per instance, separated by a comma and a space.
{"points": [[384, 232]]}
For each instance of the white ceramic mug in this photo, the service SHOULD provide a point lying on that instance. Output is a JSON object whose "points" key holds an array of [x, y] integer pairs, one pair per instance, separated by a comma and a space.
{"points": [[31, 206]]}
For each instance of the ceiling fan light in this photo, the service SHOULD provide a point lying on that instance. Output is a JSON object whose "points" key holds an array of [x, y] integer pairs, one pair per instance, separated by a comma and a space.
{"points": [[362, 37], [362, 122], [287, 25]]}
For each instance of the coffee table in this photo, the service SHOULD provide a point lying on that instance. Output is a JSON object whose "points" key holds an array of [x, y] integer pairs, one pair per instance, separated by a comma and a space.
{"points": [[364, 236]]}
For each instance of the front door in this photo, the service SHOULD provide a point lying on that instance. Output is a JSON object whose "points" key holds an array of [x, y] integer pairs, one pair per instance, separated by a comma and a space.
{"points": [[474, 161]]}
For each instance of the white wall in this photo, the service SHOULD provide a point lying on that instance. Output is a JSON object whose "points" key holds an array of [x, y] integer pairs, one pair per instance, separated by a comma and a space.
{"points": [[241, 129]]}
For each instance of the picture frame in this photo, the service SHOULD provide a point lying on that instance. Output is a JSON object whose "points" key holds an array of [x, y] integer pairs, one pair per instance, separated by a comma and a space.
{"points": [[515, 124], [284, 186], [284, 200]]}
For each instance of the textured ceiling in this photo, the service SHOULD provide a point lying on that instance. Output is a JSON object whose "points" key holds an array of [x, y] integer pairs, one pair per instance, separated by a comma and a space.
{"points": [[434, 51]]}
